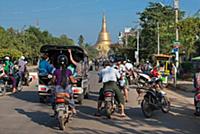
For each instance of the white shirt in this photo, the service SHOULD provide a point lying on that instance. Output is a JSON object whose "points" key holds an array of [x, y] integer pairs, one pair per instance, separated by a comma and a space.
{"points": [[109, 74], [122, 68], [129, 66]]}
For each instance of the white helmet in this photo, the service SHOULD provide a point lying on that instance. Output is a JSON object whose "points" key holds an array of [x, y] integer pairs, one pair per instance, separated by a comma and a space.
{"points": [[7, 58], [22, 57]]}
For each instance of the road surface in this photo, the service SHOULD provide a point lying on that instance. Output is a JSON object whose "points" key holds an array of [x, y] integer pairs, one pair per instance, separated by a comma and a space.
{"points": [[21, 113]]}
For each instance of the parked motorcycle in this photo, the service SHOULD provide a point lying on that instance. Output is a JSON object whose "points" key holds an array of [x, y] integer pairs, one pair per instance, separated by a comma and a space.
{"points": [[154, 100], [62, 108], [197, 102]]}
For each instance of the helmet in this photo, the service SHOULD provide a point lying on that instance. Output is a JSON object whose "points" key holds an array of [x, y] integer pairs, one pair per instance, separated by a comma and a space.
{"points": [[7, 58], [62, 59], [22, 57]]}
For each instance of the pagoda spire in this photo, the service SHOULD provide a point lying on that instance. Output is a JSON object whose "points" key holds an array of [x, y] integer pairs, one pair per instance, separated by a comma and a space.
{"points": [[104, 41], [104, 24]]}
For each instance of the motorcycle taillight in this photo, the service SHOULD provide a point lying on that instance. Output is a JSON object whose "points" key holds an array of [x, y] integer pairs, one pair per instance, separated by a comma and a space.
{"points": [[60, 100], [43, 89], [108, 94]]}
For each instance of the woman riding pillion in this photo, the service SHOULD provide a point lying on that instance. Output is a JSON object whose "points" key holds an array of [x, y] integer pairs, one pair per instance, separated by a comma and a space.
{"points": [[109, 77], [63, 78]]}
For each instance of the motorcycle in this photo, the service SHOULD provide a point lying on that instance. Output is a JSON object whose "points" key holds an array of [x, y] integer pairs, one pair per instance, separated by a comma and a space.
{"points": [[197, 102], [109, 102], [145, 81], [6, 82], [63, 113], [154, 100]]}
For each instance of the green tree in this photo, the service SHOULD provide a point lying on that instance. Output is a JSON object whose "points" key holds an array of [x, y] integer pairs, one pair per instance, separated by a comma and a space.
{"points": [[189, 36], [153, 15], [28, 41], [91, 51]]}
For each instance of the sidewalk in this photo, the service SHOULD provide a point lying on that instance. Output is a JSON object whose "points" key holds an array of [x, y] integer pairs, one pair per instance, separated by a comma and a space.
{"points": [[182, 85]]}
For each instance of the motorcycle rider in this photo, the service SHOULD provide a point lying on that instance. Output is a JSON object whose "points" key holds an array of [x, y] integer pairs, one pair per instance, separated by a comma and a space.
{"points": [[8, 68], [109, 76], [22, 67], [45, 68], [147, 67], [63, 78]]}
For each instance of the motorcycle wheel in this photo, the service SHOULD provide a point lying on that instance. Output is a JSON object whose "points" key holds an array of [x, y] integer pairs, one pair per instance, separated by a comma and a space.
{"points": [[20, 87], [108, 109], [2, 91], [146, 108], [197, 109], [161, 85], [61, 120], [165, 105]]}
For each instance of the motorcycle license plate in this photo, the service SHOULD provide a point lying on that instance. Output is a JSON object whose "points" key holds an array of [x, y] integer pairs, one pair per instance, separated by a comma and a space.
{"points": [[108, 98], [60, 107]]}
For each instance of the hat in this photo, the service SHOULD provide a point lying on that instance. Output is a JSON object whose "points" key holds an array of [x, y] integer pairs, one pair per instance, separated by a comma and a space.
{"points": [[22, 57], [7, 58]]}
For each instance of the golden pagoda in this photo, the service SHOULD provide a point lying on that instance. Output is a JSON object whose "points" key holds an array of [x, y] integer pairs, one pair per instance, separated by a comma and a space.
{"points": [[104, 41]]}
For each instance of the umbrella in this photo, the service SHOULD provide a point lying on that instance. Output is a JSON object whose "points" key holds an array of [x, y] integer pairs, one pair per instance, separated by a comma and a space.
{"points": [[196, 58]]}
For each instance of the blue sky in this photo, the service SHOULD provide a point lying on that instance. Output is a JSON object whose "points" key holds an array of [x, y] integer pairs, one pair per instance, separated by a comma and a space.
{"points": [[75, 17]]}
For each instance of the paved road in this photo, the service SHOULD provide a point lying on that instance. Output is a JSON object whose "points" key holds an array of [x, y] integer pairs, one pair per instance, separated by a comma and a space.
{"points": [[22, 113]]}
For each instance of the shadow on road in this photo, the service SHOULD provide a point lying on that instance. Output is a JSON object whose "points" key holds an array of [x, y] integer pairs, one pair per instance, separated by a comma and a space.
{"points": [[180, 89], [29, 96], [174, 122], [87, 113], [41, 118]]}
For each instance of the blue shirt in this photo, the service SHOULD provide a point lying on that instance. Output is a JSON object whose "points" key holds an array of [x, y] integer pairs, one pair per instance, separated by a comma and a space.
{"points": [[45, 68], [109, 74]]}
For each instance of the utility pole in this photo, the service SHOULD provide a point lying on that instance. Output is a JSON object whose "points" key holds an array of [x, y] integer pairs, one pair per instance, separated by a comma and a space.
{"points": [[176, 7], [158, 37], [138, 46]]}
